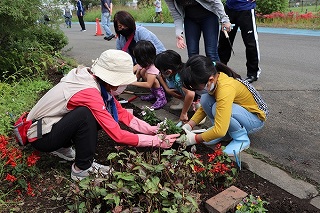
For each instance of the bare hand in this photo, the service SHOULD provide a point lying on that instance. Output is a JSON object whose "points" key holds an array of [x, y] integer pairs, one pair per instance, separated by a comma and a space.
{"points": [[226, 26], [180, 42]]}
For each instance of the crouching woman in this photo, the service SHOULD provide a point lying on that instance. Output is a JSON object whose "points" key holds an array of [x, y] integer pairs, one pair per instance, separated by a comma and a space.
{"points": [[73, 111]]}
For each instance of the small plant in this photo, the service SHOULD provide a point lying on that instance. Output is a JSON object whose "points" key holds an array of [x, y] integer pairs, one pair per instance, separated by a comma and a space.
{"points": [[218, 170], [168, 127], [16, 168], [251, 204], [149, 116]]}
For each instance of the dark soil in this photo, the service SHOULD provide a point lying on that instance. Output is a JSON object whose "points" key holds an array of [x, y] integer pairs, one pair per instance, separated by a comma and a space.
{"points": [[52, 187]]}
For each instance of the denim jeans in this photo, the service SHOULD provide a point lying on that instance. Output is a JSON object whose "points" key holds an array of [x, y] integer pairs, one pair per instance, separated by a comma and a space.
{"points": [[105, 23], [240, 117], [209, 26]]}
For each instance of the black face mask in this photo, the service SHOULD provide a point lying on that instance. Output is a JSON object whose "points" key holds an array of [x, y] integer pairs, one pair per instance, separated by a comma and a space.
{"points": [[126, 32]]}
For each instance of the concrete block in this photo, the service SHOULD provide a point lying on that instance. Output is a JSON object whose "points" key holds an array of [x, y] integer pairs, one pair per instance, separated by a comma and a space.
{"points": [[225, 200]]}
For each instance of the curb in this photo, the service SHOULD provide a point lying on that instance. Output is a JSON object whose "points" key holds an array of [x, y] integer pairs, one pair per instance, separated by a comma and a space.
{"points": [[280, 178]]}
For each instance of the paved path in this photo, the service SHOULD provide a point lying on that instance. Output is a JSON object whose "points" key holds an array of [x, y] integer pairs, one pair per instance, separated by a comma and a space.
{"points": [[289, 83]]}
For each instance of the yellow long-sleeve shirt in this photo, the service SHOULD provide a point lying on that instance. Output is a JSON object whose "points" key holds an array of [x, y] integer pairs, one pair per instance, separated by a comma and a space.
{"points": [[228, 91]]}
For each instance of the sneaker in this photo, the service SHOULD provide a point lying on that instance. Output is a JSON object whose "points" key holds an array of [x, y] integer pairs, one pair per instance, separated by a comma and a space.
{"points": [[178, 106], [95, 168], [109, 38], [162, 22], [251, 79], [67, 154], [83, 30], [202, 122]]}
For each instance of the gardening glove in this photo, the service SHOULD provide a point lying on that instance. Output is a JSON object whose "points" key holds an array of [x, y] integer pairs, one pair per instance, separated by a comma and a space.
{"points": [[187, 127], [143, 127], [160, 140], [188, 139]]}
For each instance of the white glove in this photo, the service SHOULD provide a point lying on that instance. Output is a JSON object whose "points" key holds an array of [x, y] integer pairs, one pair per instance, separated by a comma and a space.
{"points": [[188, 139], [187, 127]]}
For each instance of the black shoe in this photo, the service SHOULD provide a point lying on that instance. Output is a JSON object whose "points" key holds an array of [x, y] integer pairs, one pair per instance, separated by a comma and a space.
{"points": [[109, 37], [251, 79]]}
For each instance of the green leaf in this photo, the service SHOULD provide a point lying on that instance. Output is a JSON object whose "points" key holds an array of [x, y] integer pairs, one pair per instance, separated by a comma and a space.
{"points": [[111, 156]]}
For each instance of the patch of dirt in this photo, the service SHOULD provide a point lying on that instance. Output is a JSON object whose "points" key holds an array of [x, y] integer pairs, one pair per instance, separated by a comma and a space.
{"points": [[53, 184]]}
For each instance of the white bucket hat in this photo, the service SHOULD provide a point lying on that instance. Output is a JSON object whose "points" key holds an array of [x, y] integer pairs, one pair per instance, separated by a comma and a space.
{"points": [[114, 67]]}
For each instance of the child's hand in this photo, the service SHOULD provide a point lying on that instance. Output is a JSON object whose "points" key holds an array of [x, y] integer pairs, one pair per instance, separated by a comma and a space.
{"points": [[184, 117]]}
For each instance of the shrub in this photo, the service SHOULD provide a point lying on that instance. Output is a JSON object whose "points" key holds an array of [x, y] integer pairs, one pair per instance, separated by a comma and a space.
{"points": [[16, 168], [269, 6]]}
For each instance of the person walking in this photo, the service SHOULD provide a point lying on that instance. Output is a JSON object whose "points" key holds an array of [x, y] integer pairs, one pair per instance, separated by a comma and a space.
{"points": [[242, 15], [234, 106], [67, 14], [158, 10], [80, 14], [106, 12], [198, 16], [73, 111]]}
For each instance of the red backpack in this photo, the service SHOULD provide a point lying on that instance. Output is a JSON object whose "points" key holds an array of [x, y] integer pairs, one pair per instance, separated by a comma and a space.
{"points": [[20, 129]]}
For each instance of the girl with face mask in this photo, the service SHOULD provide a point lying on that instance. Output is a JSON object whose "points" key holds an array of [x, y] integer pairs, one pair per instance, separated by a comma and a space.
{"points": [[128, 34], [234, 107]]}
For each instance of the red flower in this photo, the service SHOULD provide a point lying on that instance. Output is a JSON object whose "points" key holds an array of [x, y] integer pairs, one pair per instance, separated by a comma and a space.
{"points": [[32, 159], [198, 168], [10, 178], [211, 157], [30, 190]]}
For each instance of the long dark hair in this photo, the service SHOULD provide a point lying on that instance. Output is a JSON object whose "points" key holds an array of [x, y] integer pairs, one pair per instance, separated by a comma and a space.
{"points": [[124, 18], [145, 53], [198, 70], [169, 59]]}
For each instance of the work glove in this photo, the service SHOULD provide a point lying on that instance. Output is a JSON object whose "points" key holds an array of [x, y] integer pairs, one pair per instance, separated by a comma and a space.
{"points": [[188, 139], [142, 126], [186, 127], [160, 140]]}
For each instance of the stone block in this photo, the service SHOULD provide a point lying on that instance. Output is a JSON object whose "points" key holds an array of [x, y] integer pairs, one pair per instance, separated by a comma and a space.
{"points": [[225, 200]]}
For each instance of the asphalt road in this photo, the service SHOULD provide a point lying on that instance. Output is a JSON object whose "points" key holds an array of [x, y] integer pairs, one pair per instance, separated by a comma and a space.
{"points": [[289, 83]]}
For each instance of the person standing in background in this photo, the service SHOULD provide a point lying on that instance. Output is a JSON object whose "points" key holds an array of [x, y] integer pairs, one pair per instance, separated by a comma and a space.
{"points": [[158, 9], [106, 12], [67, 14], [242, 15], [80, 14], [198, 16]]}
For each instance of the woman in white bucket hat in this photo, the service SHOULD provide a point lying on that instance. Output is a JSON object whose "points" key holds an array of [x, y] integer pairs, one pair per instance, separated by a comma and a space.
{"points": [[73, 111]]}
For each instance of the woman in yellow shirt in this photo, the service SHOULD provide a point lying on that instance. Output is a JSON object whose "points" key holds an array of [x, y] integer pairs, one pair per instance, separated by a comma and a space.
{"points": [[234, 107]]}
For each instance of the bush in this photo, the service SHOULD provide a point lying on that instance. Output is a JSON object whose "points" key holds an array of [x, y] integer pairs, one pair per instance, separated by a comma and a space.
{"points": [[269, 6]]}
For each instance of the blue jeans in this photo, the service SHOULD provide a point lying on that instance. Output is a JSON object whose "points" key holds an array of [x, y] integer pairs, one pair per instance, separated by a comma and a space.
{"points": [[209, 26], [105, 23], [240, 117]]}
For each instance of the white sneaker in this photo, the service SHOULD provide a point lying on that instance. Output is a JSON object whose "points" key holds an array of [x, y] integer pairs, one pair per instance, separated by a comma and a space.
{"points": [[95, 168], [178, 106], [202, 122], [65, 153]]}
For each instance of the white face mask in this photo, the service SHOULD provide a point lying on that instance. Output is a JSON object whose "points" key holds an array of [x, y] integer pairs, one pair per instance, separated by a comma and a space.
{"points": [[211, 89], [119, 90]]}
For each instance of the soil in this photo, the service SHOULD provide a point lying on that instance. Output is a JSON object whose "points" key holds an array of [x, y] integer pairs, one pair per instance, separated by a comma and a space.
{"points": [[52, 186]]}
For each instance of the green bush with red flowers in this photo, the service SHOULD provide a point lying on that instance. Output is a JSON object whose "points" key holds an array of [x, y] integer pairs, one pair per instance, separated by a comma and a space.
{"points": [[17, 168]]}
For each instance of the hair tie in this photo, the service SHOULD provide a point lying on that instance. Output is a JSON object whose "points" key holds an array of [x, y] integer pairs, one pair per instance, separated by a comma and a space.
{"points": [[214, 63]]}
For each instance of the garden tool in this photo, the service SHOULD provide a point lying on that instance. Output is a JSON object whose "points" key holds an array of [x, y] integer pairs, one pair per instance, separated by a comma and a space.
{"points": [[227, 36], [136, 95]]}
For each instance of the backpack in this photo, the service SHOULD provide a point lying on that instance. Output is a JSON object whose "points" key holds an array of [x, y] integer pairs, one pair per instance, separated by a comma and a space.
{"points": [[21, 127]]}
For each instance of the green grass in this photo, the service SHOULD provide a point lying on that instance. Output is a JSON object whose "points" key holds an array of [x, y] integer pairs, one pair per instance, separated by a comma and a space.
{"points": [[16, 98], [303, 9]]}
